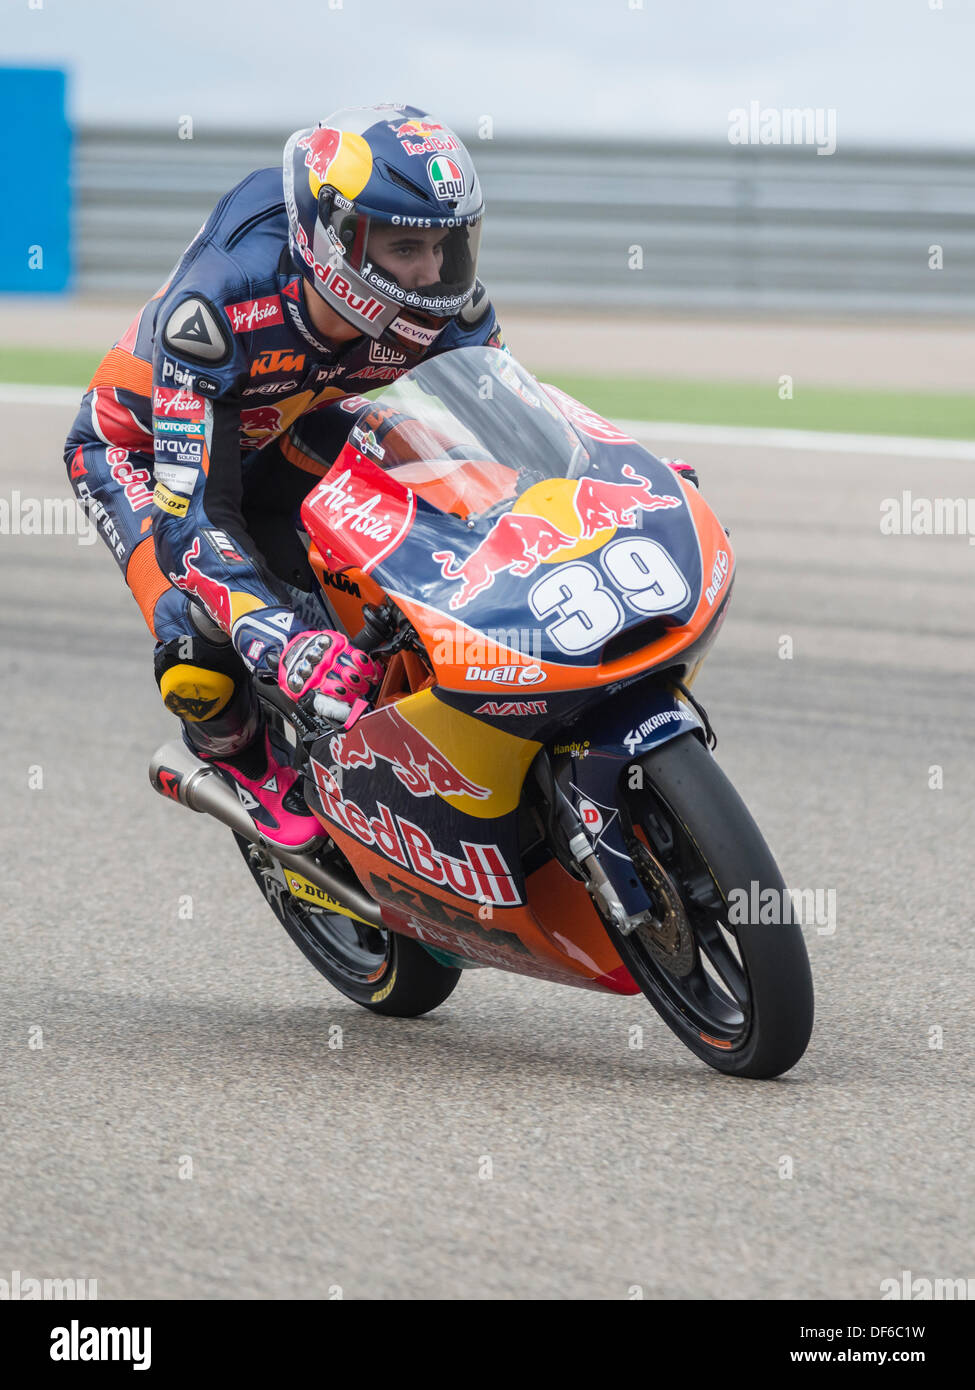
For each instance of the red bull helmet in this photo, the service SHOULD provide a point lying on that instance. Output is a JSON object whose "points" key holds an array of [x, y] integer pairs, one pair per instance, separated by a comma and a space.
{"points": [[384, 212]]}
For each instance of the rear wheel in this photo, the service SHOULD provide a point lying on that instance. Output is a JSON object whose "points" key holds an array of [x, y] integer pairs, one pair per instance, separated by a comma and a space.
{"points": [[738, 993], [381, 970]]}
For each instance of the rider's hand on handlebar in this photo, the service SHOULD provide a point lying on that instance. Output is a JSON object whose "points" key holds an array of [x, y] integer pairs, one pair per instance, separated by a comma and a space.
{"points": [[325, 664]]}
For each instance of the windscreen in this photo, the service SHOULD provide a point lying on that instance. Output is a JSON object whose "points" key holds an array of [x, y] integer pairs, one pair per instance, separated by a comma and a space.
{"points": [[470, 428]]}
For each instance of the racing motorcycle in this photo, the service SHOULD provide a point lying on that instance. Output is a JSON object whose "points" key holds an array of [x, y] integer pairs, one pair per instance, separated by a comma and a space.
{"points": [[533, 787]]}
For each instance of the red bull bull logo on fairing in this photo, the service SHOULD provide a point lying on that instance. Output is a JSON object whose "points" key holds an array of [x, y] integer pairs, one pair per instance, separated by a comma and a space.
{"points": [[414, 760], [520, 541]]}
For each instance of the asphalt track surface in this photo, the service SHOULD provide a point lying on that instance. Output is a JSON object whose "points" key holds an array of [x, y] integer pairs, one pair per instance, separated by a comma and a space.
{"points": [[167, 1037]]}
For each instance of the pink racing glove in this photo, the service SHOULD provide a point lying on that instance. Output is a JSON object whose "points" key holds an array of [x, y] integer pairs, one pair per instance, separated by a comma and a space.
{"points": [[327, 662]]}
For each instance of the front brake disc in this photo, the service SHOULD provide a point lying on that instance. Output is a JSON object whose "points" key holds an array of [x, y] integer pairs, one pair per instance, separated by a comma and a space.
{"points": [[669, 940]]}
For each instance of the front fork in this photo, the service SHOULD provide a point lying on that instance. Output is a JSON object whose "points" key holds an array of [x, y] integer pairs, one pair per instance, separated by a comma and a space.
{"points": [[582, 785]]}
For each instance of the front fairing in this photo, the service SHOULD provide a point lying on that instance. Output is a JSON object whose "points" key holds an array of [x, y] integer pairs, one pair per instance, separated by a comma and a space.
{"points": [[595, 557]]}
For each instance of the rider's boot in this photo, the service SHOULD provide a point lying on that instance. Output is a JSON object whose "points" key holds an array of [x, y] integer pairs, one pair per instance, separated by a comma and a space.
{"points": [[223, 725]]}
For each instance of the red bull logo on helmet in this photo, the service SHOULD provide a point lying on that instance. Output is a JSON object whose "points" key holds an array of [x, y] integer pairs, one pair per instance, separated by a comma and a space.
{"points": [[320, 147], [415, 762], [415, 126], [425, 137]]}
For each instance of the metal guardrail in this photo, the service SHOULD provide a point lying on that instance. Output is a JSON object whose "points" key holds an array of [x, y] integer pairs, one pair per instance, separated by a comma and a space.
{"points": [[744, 228]]}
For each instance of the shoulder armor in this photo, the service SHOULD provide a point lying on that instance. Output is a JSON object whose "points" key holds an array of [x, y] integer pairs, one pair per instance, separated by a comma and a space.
{"points": [[194, 331]]}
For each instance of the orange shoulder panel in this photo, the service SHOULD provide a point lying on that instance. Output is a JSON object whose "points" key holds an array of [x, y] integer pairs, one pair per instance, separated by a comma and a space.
{"points": [[121, 368]]}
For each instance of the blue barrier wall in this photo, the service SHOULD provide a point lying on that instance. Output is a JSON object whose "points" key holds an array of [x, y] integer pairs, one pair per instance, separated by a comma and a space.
{"points": [[35, 182]]}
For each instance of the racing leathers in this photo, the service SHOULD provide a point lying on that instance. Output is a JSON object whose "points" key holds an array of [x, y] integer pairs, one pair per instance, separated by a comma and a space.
{"points": [[201, 432]]}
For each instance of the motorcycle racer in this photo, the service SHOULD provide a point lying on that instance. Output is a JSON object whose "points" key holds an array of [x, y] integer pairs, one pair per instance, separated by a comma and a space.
{"points": [[205, 424]]}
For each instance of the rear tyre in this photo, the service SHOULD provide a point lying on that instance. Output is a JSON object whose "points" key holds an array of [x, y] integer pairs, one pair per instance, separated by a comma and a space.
{"points": [[383, 971], [738, 994]]}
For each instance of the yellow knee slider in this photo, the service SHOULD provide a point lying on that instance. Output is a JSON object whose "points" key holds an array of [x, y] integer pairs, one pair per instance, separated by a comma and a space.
{"points": [[194, 693]]}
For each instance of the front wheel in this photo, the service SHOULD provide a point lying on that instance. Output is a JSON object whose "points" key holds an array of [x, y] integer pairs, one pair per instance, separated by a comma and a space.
{"points": [[738, 993], [381, 970]]}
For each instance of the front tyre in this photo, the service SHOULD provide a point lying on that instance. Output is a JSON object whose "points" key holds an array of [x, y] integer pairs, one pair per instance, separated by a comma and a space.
{"points": [[381, 970], [739, 995]]}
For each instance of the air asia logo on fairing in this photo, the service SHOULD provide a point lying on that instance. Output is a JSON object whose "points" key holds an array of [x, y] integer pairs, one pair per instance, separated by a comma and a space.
{"points": [[479, 872], [415, 761], [520, 541], [350, 505]]}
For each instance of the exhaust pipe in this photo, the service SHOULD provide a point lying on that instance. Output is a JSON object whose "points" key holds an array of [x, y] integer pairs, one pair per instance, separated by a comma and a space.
{"points": [[178, 774]]}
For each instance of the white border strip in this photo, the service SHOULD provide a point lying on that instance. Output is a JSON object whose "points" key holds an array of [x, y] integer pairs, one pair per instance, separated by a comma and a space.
{"points": [[650, 431], [14, 393]]}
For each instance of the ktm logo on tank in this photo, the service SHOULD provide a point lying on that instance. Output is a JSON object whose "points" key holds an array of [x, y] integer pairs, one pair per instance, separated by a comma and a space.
{"points": [[277, 361]]}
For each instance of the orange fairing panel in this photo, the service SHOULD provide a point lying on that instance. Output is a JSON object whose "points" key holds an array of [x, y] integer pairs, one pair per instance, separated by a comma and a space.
{"points": [[571, 952]]}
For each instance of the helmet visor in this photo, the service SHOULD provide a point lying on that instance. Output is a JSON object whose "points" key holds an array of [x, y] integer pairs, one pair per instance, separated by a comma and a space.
{"points": [[430, 269]]}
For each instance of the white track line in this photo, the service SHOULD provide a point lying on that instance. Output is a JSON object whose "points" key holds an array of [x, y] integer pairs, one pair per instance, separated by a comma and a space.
{"points": [[649, 431], [14, 393]]}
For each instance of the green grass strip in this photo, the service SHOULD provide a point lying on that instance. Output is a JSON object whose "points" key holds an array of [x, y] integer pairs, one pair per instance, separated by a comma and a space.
{"points": [[937, 416], [49, 366], [812, 408]]}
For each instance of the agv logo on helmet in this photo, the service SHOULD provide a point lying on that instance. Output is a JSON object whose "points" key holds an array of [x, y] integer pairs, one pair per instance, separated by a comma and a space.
{"points": [[446, 177]]}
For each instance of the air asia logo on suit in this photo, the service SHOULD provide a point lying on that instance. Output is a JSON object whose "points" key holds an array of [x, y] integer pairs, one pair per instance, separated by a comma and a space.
{"points": [[255, 313]]}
